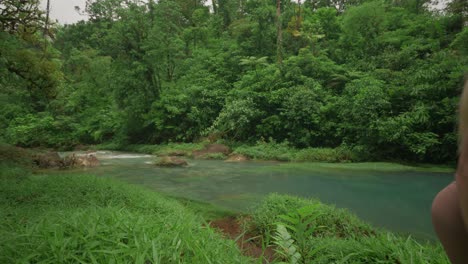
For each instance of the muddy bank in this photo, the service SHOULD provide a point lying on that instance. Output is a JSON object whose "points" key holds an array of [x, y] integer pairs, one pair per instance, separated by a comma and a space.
{"points": [[250, 244], [210, 150]]}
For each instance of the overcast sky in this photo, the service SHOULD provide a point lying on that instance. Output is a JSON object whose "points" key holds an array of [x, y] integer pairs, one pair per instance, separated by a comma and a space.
{"points": [[64, 10]]}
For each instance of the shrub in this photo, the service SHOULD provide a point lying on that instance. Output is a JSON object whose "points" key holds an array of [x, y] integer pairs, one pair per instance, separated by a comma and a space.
{"points": [[266, 151], [324, 155], [336, 222], [283, 152], [323, 234], [41, 130], [184, 148]]}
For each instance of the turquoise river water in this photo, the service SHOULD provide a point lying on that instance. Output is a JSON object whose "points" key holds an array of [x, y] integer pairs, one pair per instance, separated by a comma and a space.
{"points": [[391, 196]]}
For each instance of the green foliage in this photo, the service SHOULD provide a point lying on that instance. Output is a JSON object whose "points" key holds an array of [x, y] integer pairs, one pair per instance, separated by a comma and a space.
{"points": [[384, 248], [302, 224], [13, 172], [283, 152], [461, 38], [236, 119], [332, 222], [184, 148], [285, 245], [68, 218], [360, 80], [364, 104], [266, 151], [361, 26], [14, 155], [340, 154], [40, 130], [322, 234], [73, 218], [302, 114]]}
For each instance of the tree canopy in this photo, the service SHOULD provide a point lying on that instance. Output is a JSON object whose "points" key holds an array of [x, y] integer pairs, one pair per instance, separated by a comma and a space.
{"points": [[379, 77]]}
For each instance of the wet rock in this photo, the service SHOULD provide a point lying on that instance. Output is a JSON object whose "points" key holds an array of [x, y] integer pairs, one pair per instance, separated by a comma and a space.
{"points": [[85, 160], [171, 161], [48, 160], [88, 160], [69, 161], [237, 158], [211, 149]]}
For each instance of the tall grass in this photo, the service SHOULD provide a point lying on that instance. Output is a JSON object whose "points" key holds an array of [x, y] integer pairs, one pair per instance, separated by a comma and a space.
{"points": [[338, 236], [333, 222], [84, 219], [15, 156], [384, 248]]}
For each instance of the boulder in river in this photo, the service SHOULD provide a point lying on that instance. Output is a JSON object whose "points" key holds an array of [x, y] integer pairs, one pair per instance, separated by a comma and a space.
{"points": [[88, 160], [236, 158], [48, 160], [83, 160], [171, 161]]}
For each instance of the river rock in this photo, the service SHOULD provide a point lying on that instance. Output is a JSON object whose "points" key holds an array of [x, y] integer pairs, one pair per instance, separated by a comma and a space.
{"points": [[83, 160], [88, 160], [211, 149], [236, 158], [48, 160], [171, 161]]}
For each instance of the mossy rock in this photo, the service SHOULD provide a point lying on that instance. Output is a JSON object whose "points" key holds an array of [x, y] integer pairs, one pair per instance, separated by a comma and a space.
{"points": [[48, 160], [237, 158], [84, 160], [171, 161]]}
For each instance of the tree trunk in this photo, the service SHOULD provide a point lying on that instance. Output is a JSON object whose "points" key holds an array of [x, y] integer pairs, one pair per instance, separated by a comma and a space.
{"points": [[279, 38], [298, 17], [151, 11], [215, 7], [46, 27]]}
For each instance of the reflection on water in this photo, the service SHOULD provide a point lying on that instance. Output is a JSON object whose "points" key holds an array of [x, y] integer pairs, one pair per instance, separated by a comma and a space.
{"points": [[399, 201]]}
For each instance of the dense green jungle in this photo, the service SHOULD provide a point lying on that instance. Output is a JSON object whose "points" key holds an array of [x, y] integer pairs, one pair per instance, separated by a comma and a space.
{"points": [[377, 79], [348, 95]]}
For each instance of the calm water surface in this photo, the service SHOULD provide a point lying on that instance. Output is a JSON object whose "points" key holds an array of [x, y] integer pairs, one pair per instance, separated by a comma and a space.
{"points": [[397, 200]]}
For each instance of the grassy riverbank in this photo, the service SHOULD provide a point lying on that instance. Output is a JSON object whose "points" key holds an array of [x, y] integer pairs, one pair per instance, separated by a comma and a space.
{"points": [[344, 158], [81, 218], [259, 151]]}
